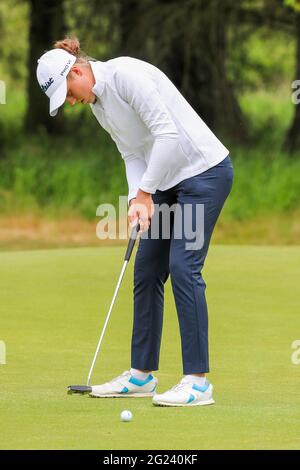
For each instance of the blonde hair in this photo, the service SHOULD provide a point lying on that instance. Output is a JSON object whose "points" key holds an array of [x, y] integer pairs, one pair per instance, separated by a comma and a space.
{"points": [[72, 45]]}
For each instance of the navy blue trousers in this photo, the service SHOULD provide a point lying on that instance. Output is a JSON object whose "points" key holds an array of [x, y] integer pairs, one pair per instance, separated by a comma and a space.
{"points": [[160, 255]]}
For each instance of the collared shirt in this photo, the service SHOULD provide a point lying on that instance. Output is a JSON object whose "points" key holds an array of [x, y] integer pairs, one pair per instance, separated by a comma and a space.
{"points": [[158, 134]]}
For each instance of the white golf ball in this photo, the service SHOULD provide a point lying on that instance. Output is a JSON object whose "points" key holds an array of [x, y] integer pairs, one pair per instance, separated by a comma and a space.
{"points": [[126, 416]]}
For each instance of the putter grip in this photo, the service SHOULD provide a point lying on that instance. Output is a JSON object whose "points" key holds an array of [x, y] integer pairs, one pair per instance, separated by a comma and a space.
{"points": [[131, 243]]}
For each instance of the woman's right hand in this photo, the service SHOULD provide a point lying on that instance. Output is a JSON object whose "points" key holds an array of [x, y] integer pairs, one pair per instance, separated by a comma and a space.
{"points": [[141, 210]]}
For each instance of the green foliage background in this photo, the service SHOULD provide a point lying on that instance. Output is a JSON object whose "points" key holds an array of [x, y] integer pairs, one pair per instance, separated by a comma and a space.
{"points": [[76, 172]]}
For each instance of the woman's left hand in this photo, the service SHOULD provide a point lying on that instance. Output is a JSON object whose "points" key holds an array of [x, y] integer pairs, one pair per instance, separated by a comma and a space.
{"points": [[141, 210]]}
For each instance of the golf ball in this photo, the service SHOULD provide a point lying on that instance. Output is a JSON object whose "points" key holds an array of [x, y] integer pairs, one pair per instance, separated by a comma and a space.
{"points": [[126, 416]]}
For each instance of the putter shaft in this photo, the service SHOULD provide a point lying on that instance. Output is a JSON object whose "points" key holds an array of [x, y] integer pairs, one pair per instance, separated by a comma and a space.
{"points": [[106, 321]]}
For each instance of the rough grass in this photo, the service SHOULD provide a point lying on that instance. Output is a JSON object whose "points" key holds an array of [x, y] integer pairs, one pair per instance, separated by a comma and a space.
{"points": [[56, 177]]}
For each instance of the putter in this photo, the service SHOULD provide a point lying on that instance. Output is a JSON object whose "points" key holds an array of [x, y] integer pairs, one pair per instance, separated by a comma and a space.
{"points": [[82, 389]]}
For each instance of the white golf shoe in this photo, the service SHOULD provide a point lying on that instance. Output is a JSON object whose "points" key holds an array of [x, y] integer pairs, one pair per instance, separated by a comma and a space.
{"points": [[186, 393], [125, 386]]}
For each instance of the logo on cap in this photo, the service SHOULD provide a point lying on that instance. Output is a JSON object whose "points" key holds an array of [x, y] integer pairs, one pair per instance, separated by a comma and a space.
{"points": [[46, 85], [65, 68]]}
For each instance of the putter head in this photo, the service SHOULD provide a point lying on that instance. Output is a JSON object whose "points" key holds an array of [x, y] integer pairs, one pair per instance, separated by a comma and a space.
{"points": [[79, 389]]}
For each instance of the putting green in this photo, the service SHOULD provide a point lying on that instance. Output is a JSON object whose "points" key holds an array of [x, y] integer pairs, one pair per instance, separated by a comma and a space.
{"points": [[52, 307]]}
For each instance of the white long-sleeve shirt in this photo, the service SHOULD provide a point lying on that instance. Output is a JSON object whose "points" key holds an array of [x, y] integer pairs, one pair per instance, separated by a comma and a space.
{"points": [[159, 135]]}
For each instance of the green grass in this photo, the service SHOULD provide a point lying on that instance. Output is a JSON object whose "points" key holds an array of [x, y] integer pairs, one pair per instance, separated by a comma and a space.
{"points": [[53, 304]]}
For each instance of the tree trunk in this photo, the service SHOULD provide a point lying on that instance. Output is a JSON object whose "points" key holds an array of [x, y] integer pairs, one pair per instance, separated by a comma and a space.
{"points": [[46, 26], [292, 141], [129, 12]]}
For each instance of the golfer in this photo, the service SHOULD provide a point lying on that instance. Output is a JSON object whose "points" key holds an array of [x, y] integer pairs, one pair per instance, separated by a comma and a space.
{"points": [[172, 160]]}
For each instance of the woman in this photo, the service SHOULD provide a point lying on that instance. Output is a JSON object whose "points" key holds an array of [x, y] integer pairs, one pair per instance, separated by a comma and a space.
{"points": [[172, 160]]}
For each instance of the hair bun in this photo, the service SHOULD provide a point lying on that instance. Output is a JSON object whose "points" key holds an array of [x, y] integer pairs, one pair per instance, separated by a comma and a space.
{"points": [[71, 45]]}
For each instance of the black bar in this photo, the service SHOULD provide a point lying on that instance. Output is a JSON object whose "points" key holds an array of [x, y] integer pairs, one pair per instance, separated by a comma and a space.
{"points": [[138, 458]]}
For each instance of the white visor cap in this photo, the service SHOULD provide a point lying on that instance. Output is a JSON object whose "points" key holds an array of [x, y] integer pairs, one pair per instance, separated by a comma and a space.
{"points": [[52, 70]]}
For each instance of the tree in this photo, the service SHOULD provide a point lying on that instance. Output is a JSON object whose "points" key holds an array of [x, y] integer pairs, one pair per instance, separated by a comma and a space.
{"points": [[198, 63], [46, 26], [188, 41]]}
